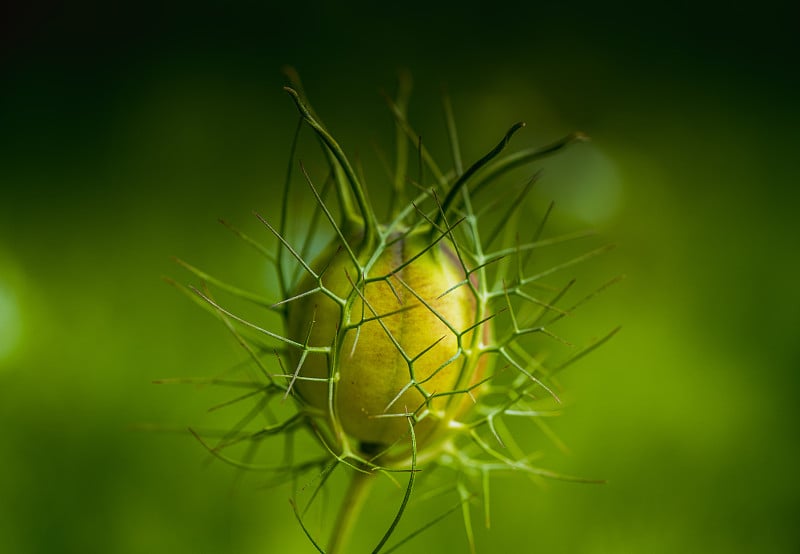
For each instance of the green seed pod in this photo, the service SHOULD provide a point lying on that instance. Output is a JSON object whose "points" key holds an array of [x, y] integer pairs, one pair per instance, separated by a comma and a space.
{"points": [[390, 337], [397, 343]]}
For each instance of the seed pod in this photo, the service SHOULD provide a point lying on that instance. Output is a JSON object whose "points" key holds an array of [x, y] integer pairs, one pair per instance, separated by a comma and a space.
{"points": [[390, 332], [398, 344]]}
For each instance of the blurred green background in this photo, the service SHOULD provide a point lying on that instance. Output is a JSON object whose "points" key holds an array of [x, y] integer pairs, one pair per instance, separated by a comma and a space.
{"points": [[127, 132]]}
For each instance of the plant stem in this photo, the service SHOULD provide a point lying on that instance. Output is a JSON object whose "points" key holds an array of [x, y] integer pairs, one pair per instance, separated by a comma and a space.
{"points": [[357, 493]]}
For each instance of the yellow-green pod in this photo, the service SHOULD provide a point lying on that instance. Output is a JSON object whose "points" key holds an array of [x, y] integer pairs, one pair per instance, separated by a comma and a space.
{"points": [[400, 346]]}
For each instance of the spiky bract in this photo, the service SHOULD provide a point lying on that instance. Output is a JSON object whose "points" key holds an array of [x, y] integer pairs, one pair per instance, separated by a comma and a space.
{"points": [[403, 346]]}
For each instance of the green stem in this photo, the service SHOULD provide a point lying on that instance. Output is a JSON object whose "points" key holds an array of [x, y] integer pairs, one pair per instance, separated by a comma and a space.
{"points": [[462, 180], [370, 221], [357, 493]]}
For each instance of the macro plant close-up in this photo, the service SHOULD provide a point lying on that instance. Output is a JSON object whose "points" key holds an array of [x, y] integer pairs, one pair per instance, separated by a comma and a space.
{"points": [[409, 343], [493, 277]]}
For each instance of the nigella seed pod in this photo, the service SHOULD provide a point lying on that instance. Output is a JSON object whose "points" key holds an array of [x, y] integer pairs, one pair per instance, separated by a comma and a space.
{"points": [[406, 344], [402, 343]]}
